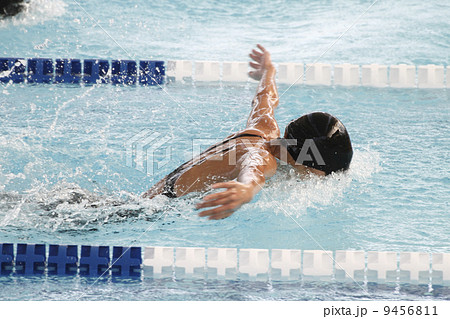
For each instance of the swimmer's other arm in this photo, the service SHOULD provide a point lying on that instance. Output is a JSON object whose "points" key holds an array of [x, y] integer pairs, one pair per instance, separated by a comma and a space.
{"points": [[237, 193], [250, 181]]}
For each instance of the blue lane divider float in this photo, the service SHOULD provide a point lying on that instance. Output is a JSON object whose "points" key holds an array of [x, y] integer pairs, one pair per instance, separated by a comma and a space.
{"points": [[96, 71], [151, 72], [94, 260], [62, 260], [30, 259], [6, 258], [123, 72], [12, 69], [68, 71], [40, 70], [89, 71], [126, 261]]}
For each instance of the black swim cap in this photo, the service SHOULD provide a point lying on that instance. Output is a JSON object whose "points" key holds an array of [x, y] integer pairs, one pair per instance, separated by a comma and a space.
{"points": [[325, 132]]}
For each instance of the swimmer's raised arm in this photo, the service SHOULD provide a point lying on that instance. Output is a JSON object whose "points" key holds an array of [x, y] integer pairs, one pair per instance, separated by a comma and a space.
{"points": [[266, 99], [253, 174]]}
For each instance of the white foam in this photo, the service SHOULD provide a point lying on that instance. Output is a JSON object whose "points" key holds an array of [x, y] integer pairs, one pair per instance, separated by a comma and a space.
{"points": [[295, 196], [67, 206]]}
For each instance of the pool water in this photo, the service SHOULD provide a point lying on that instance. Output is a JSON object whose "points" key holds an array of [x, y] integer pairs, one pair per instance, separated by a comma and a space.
{"points": [[64, 177]]}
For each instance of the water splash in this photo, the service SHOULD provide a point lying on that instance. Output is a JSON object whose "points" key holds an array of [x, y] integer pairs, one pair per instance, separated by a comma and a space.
{"points": [[65, 104], [68, 207], [287, 194]]}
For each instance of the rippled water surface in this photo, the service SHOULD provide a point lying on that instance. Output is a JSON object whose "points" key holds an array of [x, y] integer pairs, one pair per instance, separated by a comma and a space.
{"points": [[64, 177]]}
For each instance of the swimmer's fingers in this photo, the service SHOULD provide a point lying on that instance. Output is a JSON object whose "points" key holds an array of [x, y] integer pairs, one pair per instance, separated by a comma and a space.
{"points": [[217, 198], [256, 75], [218, 212], [218, 195], [255, 65], [262, 59], [261, 48], [258, 54], [223, 199], [255, 58], [227, 202]]}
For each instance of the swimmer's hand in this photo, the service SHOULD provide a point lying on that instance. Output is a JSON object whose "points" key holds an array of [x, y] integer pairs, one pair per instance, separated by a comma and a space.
{"points": [[236, 195], [261, 64]]}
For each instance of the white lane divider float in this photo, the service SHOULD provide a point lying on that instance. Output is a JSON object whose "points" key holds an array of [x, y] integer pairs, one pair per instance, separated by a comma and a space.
{"points": [[402, 76], [430, 76], [346, 74], [286, 264], [374, 75], [189, 262], [349, 265], [222, 263]]}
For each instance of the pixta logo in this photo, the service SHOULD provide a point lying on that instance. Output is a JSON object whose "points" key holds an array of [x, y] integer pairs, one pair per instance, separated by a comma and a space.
{"points": [[147, 151], [306, 150]]}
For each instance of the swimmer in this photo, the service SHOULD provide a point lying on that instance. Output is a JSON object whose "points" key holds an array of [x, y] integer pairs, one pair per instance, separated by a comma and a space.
{"points": [[316, 143]]}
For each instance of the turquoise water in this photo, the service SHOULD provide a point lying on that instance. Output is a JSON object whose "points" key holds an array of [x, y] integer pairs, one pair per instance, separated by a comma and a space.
{"points": [[63, 172]]}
